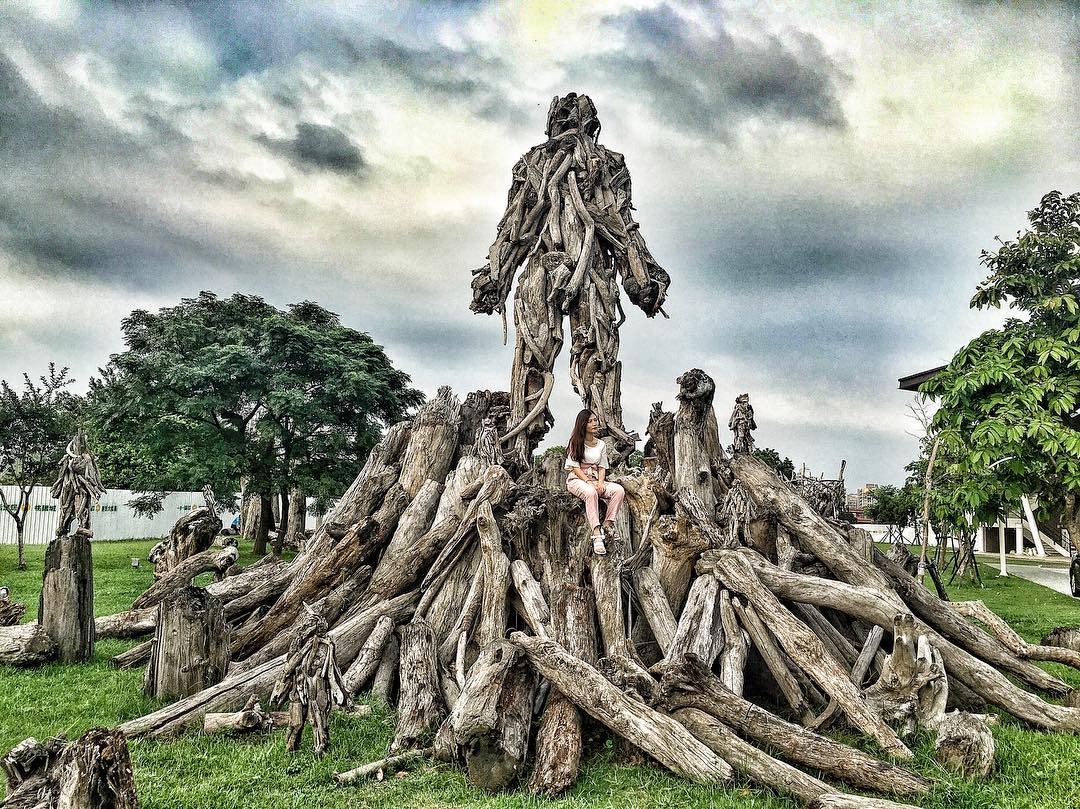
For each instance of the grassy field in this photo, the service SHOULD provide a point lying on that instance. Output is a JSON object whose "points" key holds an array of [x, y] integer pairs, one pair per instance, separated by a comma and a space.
{"points": [[1034, 769]]}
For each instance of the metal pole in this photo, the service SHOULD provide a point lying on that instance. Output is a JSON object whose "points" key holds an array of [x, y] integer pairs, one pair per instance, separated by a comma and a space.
{"points": [[1003, 571]]}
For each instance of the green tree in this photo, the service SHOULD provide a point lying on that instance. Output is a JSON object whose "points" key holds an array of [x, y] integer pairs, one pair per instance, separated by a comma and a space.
{"points": [[1008, 417], [782, 466], [221, 391], [36, 422]]}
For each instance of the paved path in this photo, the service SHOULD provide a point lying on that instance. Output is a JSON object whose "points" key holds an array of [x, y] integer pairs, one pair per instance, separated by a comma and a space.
{"points": [[1056, 578]]}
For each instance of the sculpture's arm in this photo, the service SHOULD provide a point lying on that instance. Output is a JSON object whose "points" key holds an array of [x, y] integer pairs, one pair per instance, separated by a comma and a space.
{"points": [[517, 233], [644, 280]]}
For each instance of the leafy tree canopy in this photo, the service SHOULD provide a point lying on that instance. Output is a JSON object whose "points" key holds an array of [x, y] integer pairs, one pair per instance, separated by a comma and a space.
{"points": [[36, 422], [218, 390], [782, 466], [1008, 417]]}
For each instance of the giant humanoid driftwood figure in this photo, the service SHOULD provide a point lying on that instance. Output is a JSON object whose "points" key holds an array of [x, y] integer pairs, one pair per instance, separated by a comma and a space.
{"points": [[77, 484], [568, 219]]}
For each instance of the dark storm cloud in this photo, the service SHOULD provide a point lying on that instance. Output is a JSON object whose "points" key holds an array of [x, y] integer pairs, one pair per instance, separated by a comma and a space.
{"points": [[322, 147], [709, 80]]}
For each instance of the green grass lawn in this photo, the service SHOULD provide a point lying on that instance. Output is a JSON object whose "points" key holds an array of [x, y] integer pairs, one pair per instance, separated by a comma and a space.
{"points": [[1034, 769]]}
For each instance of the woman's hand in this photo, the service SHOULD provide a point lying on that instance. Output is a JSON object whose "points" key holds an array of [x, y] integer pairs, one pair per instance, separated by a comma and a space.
{"points": [[599, 486]]}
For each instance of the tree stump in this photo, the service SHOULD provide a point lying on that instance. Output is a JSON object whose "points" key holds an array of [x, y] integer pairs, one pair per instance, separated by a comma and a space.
{"points": [[26, 645], [93, 772], [191, 645], [66, 606]]}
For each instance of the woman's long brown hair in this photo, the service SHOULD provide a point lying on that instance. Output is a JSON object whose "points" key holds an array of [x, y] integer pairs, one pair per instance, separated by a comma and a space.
{"points": [[576, 445]]}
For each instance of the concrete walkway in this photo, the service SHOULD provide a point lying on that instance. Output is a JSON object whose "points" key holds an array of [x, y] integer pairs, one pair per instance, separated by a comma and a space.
{"points": [[1056, 577]]}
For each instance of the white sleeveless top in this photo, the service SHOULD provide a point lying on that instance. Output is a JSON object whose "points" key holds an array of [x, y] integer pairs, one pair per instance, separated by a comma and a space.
{"points": [[594, 456]]}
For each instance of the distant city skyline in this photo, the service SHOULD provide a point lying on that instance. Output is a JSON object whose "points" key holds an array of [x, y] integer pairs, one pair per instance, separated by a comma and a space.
{"points": [[818, 180]]}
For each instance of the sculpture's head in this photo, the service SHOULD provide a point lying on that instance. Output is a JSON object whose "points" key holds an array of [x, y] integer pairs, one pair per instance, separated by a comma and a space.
{"points": [[742, 398], [572, 111]]}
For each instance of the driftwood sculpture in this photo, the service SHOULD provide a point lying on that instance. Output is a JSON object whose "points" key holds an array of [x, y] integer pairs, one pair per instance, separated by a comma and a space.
{"points": [[569, 221], [312, 679], [77, 486], [11, 612], [471, 594]]}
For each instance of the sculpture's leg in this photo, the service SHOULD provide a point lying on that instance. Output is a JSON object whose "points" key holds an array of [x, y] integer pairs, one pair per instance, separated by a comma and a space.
{"points": [[320, 721], [295, 732], [538, 326], [595, 368]]}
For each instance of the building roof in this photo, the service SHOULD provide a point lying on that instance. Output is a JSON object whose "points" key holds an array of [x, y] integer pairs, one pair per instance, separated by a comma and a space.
{"points": [[913, 381]]}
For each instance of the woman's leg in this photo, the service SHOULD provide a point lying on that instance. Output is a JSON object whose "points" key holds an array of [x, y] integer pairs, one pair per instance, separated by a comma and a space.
{"points": [[613, 496], [587, 492]]}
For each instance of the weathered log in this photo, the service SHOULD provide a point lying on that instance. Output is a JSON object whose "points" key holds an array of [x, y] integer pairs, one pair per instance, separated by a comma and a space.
{"points": [[880, 608], [193, 533], [493, 715], [765, 644], [697, 438], [736, 647], [433, 441], [965, 745], [912, 688], [831, 638], [655, 607], [376, 768], [340, 561], [699, 631], [399, 571], [963, 633], [66, 603], [607, 587], [92, 772], [657, 734], [385, 682], [858, 674], [535, 610], [371, 654], [259, 595], [806, 650], [661, 442], [252, 718], [181, 575], [190, 649], [419, 708], [676, 546], [496, 486], [26, 645], [232, 692], [559, 738], [757, 765], [330, 608], [688, 684], [1057, 653], [11, 612], [127, 624], [494, 606], [841, 801], [136, 656], [1065, 636]]}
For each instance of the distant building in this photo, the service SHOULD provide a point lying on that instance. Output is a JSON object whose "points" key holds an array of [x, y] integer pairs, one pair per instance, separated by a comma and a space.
{"points": [[860, 500]]}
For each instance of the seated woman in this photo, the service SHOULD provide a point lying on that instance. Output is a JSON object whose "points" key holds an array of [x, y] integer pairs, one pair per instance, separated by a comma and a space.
{"points": [[587, 462]]}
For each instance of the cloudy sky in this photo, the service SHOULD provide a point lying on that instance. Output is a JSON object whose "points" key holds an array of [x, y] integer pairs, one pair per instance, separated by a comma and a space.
{"points": [[818, 179]]}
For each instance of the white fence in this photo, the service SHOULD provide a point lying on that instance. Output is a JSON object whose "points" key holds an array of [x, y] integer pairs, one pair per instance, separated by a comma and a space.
{"points": [[110, 518]]}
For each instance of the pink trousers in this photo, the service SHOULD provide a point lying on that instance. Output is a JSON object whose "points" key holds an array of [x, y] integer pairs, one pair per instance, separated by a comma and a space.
{"points": [[613, 495]]}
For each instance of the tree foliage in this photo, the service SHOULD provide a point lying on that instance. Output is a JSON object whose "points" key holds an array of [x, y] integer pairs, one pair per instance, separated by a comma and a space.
{"points": [[1008, 416], [223, 390], [784, 467], [895, 506], [36, 422]]}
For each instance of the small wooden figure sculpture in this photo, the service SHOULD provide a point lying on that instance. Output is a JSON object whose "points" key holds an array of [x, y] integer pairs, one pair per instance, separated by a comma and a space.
{"points": [[77, 484], [313, 681], [741, 423], [487, 442], [568, 219]]}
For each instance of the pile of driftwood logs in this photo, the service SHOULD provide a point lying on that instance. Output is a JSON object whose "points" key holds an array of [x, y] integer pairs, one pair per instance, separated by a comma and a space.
{"points": [[731, 630]]}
